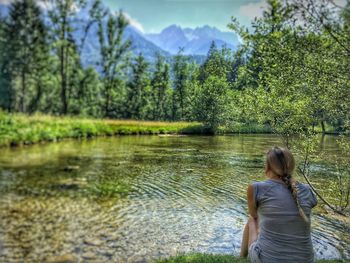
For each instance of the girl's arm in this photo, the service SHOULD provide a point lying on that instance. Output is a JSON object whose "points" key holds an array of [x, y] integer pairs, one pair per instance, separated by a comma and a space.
{"points": [[251, 202]]}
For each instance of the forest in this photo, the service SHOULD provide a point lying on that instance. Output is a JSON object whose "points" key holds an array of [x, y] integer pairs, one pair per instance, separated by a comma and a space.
{"points": [[291, 72]]}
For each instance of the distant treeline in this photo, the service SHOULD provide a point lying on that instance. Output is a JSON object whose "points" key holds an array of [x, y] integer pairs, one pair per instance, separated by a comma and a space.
{"points": [[292, 70]]}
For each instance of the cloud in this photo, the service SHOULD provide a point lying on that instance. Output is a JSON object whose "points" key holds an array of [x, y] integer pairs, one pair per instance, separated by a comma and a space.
{"points": [[133, 22], [253, 10], [341, 3], [5, 2], [44, 5]]}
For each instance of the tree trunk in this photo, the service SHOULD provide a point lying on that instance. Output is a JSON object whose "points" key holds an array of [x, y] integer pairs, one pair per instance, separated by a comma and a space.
{"points": [[323, 127], [35, 102], [63, 83], [24, 89], [107, 100]]}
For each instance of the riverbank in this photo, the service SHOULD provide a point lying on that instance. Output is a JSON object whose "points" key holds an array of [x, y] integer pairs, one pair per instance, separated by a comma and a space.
{"points": [[207, 258], [20, 129]]}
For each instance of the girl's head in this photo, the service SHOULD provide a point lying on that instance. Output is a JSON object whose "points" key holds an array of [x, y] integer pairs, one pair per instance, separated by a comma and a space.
{"points": [[280, 162]]}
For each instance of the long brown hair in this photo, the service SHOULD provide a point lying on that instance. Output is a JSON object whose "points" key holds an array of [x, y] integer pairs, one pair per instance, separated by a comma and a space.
{"points": [[281, 162]]}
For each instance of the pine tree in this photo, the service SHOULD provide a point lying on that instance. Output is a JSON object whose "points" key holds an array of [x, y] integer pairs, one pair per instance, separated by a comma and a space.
{"points": [[26, 52], [85, 97], [212, 103], [216, 64], [193, 87], [181, 75], [138, 89], [5, 76], [161, 90]]}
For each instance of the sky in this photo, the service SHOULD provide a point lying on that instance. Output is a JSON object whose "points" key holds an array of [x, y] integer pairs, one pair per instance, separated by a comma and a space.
{"points": [[151, 16]]}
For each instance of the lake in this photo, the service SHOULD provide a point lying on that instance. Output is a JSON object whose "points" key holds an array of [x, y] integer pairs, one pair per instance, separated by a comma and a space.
{"points": [[139, 198]]}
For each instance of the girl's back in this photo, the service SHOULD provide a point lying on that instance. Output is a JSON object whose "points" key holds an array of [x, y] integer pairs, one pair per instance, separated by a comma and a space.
{"points": [[284, 235]]}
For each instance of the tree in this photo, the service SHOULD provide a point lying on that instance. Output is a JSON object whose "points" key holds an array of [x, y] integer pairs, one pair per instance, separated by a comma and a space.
{"points": [[327, 17], [216, 63], [5, 74], [114, 58], [181, 78], [138, 98], [161, 91], [85, 96], [25, 53], [329, 24], [192, 88], [292, 90], [212, 103], [96, 13], [61, 13]]}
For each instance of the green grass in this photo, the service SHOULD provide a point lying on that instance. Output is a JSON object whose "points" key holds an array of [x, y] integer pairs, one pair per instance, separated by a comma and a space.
{"points": [[20, 129], [246, 128], [208, 258]]}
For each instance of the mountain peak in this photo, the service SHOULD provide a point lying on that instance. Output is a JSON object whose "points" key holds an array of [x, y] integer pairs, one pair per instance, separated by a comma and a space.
{"points": [[194, 41], [171, 29]]}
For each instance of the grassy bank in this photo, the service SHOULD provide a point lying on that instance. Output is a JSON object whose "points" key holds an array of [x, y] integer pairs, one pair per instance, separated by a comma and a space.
{"points": [[20, 129], [207, 258], [245, 128]]}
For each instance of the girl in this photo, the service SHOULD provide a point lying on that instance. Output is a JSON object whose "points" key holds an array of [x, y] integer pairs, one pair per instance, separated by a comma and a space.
{"points": [[278, 229]]}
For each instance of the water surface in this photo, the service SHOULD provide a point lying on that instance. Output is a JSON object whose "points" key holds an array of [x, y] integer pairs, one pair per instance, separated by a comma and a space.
{"points": [[139, 198]]}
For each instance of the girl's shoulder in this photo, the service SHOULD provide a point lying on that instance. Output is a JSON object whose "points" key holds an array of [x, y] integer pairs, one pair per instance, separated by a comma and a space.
{"points": [[306, 195], [260, 188]]}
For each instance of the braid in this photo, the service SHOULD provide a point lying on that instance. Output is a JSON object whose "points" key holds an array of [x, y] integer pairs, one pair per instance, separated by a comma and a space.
{"points": [[291, 184]]}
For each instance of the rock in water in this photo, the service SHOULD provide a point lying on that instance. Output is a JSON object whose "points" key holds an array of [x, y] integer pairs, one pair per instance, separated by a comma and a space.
{"points": [[93, 242], [64, 259]]}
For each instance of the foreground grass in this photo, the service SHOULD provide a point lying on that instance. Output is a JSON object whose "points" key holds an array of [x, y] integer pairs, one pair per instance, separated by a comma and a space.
{"points": [[208, 258], [21, 129]]}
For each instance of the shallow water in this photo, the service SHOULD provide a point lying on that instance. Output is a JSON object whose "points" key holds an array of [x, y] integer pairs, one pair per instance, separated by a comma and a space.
{"points": [[139, 198]]}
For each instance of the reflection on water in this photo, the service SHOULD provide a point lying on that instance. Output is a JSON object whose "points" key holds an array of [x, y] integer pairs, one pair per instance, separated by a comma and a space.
{"points": [[135, 199]]}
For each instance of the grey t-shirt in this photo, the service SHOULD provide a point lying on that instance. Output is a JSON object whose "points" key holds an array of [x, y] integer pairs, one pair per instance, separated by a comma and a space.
{"points": [[284, 236]]}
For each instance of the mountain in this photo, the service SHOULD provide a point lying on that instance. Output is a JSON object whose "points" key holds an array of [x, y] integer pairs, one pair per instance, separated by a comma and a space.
{"points": [[170, 39], [194, 41], [90, 54]]}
